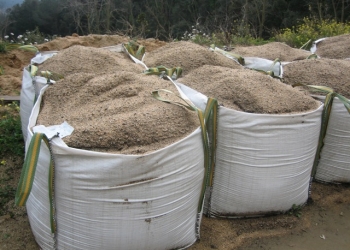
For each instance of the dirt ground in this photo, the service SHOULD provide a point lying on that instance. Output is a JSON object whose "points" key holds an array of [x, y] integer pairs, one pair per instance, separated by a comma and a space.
{"points": [[323, 223]]}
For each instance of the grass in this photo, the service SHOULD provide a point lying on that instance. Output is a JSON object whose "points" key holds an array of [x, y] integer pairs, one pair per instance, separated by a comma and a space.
{"points": [[11, 138], [11, 149], [295, 211]]}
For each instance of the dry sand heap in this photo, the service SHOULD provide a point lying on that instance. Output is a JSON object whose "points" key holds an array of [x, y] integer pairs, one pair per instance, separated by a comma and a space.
{"points": [[108, 101], [332, 73], [12, 64], [115, 112], [80, 59], [273, 51], [97, 41], [337, 47], [248, 90], [188, 56]]}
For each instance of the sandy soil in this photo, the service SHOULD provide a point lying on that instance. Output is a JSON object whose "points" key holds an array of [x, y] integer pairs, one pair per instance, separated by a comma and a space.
{"points": [[324, 222]]}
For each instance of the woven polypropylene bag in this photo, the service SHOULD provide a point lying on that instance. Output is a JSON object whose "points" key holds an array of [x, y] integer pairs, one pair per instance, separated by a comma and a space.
{"points": [[334, 163], [112, 201], [263, 162]]}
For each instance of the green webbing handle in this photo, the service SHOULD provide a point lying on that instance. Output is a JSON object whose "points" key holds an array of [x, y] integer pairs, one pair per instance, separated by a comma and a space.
{"points": [[28, 172], [135, 50], [174, 73], [210, 116], [237, 57]]}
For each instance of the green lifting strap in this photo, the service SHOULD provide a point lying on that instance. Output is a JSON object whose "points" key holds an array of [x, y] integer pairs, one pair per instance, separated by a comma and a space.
{"points": [[325, 116], [28, 172], [174, 73], [211, 116], [135, 49], [204, 119], [237, 57]]}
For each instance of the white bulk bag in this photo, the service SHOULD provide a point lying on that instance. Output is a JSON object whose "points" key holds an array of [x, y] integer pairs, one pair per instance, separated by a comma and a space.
{"points": [[334, 164], [313, 48], [41, 57], [263, 162], [31, 86], [258, 63], [113, 201]]}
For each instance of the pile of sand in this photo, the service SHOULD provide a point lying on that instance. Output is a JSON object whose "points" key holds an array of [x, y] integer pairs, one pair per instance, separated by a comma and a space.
{"points": [[248, 90], [96, 41], [115, 112], [332, 73], [12, 64], [89, 60], [273, 51], [188, 56], [337, 47]]}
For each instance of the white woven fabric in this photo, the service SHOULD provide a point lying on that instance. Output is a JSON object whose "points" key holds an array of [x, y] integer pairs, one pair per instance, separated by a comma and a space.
{"points": [[111, 201], [334, 164], [31, 87], [263, 162]]}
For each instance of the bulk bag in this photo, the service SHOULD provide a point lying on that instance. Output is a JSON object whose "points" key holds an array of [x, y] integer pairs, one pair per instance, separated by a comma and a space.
{"points": [[334, 162], [263, 162], [266, 140], [108, 201], [31, 86]]}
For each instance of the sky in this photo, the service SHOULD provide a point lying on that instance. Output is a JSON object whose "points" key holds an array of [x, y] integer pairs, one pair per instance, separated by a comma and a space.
{"points": [[4, 4]]}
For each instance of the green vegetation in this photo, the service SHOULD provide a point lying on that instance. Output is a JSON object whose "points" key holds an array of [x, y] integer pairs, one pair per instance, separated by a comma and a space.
{"points": [[6, 46], [295, 210], [11, 149], [231, 22], [11, 138], [311, 29]]}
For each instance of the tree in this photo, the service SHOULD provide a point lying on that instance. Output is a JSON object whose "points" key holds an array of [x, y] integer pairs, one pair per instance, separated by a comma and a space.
{"points": [[22, 16]]}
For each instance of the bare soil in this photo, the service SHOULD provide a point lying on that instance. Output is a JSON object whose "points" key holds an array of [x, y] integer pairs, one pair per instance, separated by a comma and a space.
{"points": [[324, 222]]}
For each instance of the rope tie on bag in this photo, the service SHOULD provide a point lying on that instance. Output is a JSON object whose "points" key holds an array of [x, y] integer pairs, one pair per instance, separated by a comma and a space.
{"points": [[328, 103], [28, 173]]}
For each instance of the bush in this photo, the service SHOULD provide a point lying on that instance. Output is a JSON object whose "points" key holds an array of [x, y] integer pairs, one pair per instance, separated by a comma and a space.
{"points": [[11, 138], [311, 29], [239, 35], [12, 41]]}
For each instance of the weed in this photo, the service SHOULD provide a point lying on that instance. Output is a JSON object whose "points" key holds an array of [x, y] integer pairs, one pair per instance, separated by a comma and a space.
{"points": [[6, 235], [11, 138], [313, 29], [240, 35], [10, 42], [295, 210]]}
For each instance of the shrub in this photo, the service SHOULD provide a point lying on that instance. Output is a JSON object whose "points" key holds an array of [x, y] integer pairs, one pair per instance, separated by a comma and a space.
{"points": [[11, 138], [311, 29]]}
